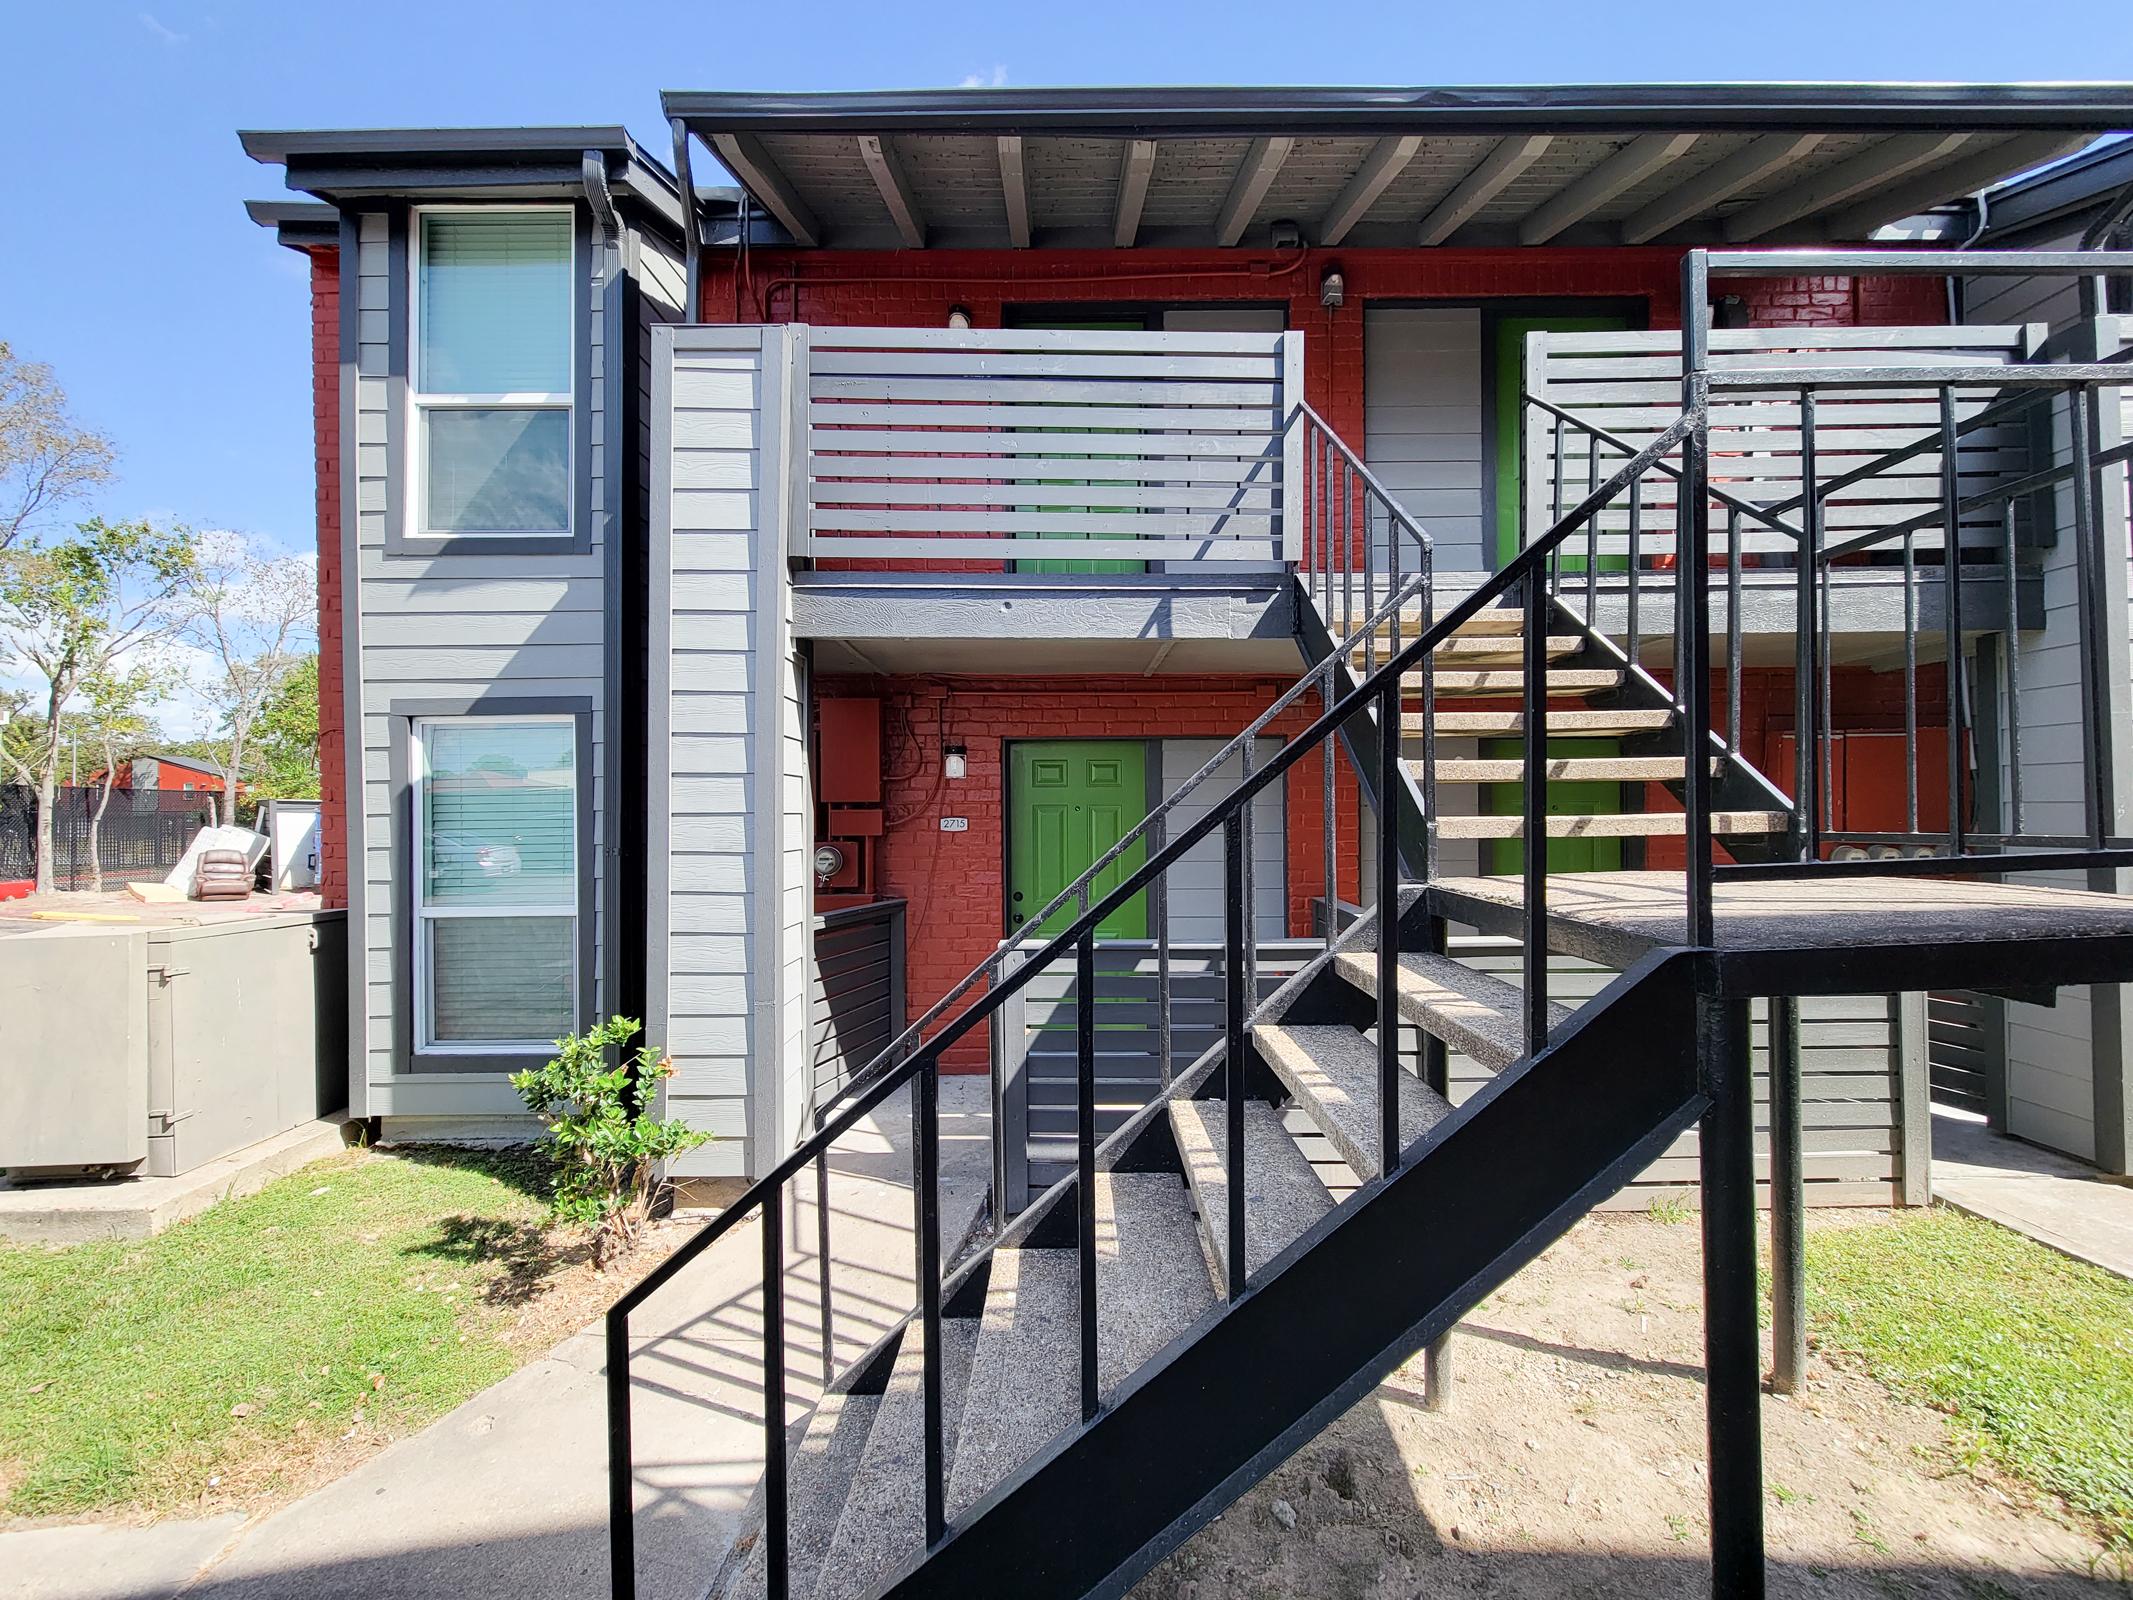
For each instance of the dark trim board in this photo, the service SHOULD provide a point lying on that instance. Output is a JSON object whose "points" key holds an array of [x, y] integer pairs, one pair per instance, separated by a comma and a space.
{"points": [[400, 715], [354, 845]]}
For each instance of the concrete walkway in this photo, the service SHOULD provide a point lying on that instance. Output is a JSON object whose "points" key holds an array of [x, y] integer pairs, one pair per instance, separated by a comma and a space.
{"points": [[2054, 1199], [507, 1496]]}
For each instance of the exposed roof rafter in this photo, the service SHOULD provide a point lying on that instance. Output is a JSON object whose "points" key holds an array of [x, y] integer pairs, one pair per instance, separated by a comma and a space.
{"points": [[1255, 175], [1883, 164], [888, 174], [1014, 189], [745, 155], [1491, 174], [1135, 168], [1969, 171], [1620, 172], [1387, 159], [1750, 164]]}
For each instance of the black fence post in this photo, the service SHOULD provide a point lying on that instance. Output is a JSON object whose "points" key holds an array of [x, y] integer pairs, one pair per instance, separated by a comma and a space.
{"points": [[1732, 1350]]}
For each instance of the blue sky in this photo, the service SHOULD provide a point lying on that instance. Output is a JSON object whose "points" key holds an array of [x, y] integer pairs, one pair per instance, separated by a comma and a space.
{"points": [[181, 330]]}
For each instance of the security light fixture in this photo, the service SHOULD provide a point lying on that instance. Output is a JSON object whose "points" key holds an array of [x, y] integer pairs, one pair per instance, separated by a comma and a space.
{"points": [[1332, 288], [955, 761], [959, 316]]}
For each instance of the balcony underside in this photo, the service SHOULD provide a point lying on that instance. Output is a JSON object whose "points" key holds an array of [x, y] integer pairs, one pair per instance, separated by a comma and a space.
{"points": [[1047, 623]]}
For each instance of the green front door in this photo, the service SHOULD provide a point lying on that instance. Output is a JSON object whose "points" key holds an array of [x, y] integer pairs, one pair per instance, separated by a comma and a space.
{"points": [[1585, 797], [1508, 366], [1068, 801], [1133, 324]]}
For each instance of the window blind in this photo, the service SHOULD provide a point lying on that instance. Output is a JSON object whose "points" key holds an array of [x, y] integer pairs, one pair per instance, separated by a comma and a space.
{"points": [[495, 314]]}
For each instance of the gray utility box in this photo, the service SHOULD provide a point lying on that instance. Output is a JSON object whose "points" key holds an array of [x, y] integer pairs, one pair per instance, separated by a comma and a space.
{"points": [[161, 1049]]}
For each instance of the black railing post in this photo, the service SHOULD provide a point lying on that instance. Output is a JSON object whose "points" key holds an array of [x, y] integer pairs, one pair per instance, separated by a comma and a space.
{"points": [[1910, 680], [2013, 670], [822, 1258], [2089, 555], [1388, 952], [1085, 1163], [1233, 1019], [1951, 514], [1428, 665], [1326, 818], [1788, 1200], [621, 1473], [1693, 542], [1807, 715], [1732, 1349], [926, 1178], [777, 1533], [1534, 812]]}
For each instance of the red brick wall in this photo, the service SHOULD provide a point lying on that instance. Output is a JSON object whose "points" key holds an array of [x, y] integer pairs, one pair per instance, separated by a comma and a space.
{"points": [[917, 289], [326, 446], [956, 882]]}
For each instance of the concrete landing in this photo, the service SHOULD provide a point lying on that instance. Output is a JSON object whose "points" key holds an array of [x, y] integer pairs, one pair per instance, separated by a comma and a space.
{"points": [[2054, 1199], [135, 1208]]}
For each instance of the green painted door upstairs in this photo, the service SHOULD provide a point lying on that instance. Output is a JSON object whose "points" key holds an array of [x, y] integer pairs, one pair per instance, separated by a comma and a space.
{"points": [[1114, 325], [1069, 801], [1583, 797]]}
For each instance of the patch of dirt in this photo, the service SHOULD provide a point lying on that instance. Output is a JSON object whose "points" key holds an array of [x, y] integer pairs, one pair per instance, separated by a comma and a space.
{"points": [[1572, 1462]]}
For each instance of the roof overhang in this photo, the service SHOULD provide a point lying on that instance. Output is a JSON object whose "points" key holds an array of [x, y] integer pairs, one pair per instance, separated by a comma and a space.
{"points": [[2069, 192], [299, 224], [1486, 166], [351, 165]]}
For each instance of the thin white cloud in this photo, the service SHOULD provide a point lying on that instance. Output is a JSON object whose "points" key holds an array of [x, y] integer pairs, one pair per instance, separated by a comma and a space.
{"points": [[995, 79], [168, 35]]}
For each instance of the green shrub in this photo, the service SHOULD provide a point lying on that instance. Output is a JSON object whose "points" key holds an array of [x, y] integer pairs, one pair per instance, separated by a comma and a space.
{"points": [[603, 1141]]}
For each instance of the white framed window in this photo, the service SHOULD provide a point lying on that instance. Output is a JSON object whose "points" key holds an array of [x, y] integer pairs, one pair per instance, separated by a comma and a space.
{"points": [[496, 803], [492, 376]]}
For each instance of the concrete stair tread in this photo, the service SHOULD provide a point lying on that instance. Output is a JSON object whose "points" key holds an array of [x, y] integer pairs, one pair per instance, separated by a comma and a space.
{"points": [[1471, 1011], [1025, 1382], [1488, 620], [1618, 825], [1333, 1072], [819, 1472], [1283, 1196], [1463, 647], [1483, 724], [1025, 1377], [883, 1519], [1149, 1286], [1564, 769], [1510, 680]]}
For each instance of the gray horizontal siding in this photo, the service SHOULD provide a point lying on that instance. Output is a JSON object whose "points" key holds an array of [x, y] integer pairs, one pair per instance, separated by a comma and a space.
{"points": [[1194, 885], [729, 969], [450, 627]]}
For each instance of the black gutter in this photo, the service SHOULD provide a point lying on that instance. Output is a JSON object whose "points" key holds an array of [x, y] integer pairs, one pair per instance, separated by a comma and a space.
{"points": [[1602, 108]]}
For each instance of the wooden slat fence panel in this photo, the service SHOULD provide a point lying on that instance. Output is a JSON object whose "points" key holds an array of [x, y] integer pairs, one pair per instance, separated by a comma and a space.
{"points": [[1629, 384], [974, 447], [1967, 1051], [855, 992]]}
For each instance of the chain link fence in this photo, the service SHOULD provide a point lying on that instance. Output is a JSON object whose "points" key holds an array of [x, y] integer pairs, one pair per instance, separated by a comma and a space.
{"points": [[144, 832]]}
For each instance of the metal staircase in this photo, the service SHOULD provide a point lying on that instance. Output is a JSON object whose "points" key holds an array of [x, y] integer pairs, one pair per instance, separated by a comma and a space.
{"points": [[1192, 1302]]}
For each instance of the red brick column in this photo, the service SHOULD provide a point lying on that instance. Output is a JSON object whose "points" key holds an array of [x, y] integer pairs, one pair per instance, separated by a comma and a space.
{"points": [[326, 444]]}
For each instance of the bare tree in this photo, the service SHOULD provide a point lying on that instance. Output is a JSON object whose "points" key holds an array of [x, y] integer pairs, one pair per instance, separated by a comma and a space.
{"points": [[255, 616], [46, 458], [70, 610], [113, 718]]}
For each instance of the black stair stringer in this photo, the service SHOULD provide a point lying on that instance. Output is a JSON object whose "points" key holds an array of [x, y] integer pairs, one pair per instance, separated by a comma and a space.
{"points": [[1390, 1270]]}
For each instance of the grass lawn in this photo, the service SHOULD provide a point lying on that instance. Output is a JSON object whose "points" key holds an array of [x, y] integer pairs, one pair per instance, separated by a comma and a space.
{"points": [[275, 1339], [2030, 1354]]}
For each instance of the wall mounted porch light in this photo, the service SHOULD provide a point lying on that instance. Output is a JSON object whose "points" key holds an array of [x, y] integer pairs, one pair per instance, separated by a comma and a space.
{"points": [[955, 761]]}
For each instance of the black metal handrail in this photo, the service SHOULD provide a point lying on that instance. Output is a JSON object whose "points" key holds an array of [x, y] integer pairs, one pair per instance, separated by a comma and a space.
{"points": [[1379, 694]]}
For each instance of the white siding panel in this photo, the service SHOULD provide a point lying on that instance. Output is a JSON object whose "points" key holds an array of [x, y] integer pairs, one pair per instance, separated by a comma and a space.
{"points": [[1422, 422], [1194, 884]]}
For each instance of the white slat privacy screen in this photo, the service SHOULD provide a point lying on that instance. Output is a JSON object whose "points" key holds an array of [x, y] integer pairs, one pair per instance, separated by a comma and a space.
{"points": [[496, 810]]}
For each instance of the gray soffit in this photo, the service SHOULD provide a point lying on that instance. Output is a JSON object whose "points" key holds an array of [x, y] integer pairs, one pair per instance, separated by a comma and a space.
{"points": [[299, 224], [1475, 167], [343, 164]]}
